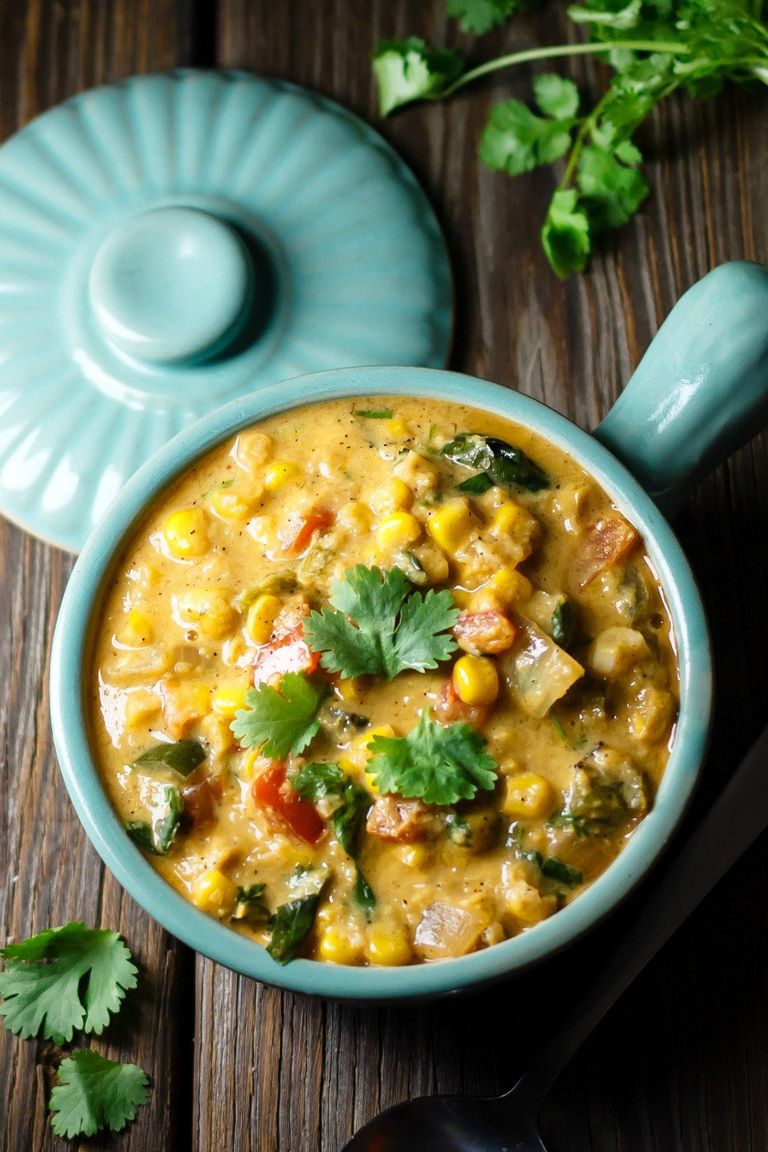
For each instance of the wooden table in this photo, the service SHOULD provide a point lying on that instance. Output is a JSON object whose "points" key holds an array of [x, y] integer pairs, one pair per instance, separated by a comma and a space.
{"points": [[681, 1065]]}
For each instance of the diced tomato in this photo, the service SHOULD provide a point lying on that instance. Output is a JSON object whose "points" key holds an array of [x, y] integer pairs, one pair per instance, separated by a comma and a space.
{"points": [[451, 708], [270, 790], [286, 653], [303, 529], [484, 632]]}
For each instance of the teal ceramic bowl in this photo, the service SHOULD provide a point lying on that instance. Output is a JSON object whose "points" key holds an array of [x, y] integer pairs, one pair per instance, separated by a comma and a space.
{"points": [[690, 401]]}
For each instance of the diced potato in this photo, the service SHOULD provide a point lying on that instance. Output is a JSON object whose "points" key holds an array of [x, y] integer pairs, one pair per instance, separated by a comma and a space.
{"points": [[141, 704], [526, 904], [184, 703], [229, 697], [252, 450], [418, 473], [615, 650], [233, 506], [355, 517], [539, 672], [136, 630], [147, 664], [414, 855], [606, 542], [446, 930], [650, 717], [206, 610], [392, 495], [484, 633], [570, 504], [433, 562]]}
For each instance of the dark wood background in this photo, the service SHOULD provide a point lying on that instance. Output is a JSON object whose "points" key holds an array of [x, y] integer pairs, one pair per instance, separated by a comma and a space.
{"points": [[681, 1065]]}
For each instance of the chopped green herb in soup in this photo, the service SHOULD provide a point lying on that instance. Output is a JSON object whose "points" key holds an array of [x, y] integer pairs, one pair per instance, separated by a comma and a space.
{"points": [[383, 682]]}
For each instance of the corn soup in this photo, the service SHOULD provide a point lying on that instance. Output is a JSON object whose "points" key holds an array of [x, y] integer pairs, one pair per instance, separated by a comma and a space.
{"points": [[383, 681]]}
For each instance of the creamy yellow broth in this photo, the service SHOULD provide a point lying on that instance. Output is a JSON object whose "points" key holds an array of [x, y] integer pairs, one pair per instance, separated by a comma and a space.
{"points": [[230, 560]]}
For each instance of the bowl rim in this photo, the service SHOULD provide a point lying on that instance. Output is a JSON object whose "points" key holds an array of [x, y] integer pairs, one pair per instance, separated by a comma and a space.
{"points": [[68, 691]]}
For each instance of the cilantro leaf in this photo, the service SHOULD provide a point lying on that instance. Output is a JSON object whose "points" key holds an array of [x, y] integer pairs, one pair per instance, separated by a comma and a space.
{"points": [[441, 764], [379, 625], [480, 16], [64, 979], [565, 234], [516, 140], [281, 720], [612, 191], [314, 782], [408, 70], [556, 96], [563, 624], [94, 1093]]}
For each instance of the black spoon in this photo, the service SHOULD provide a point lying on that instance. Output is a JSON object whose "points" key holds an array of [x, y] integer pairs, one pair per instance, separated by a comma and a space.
{"points": [[510, 1123]]}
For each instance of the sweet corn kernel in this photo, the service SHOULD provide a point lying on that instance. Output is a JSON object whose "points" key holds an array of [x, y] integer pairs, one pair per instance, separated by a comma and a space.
{"points": [[414, 855], [229, 697], [136, 630], [395, 429], [140, 705], [214, 893], [261, 617], [357, 755], [206, 609], [510, 585], [350, 691], [396, 530], [393, 494], [527, 795], [476, 680], [336, 947], [355, 517], [252, 450], [451, 524], [485, 599], [235, 506], [186, 533], [507, 519], [280, 473], [527, 904], [388, 945]]}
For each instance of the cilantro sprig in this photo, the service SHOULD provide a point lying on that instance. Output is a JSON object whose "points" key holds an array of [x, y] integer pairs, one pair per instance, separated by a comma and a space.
{"points": [[64, 979], [377, 625], [440, 764], [95, 1093], [68, 979], [280, 721], [656, 47]]}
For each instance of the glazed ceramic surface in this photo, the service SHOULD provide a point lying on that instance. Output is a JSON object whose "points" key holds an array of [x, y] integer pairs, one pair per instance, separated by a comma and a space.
{"points": [[175, 241], [744, 407]]}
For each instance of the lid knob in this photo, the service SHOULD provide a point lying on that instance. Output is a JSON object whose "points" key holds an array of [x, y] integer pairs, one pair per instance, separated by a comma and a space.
{"points": [[171, 285]]}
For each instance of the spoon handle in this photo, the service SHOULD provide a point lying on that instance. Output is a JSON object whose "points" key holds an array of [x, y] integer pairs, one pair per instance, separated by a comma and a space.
{"points": [[736, 819]]}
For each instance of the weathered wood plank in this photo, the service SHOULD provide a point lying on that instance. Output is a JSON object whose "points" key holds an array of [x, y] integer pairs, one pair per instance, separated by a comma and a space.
{"points": [[48, 872], [680, 1063]]}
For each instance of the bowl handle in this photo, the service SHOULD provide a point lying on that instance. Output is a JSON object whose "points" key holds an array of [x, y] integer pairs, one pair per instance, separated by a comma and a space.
{"points": [[701, 390]]}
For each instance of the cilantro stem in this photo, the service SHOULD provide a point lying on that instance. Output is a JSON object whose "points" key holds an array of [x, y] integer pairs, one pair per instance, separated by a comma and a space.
{"points": [[668, 47], [761, 72]]}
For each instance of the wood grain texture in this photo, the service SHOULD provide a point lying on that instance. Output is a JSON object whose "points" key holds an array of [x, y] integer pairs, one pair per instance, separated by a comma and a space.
{"points": [[681, 1065], [48, 872]]}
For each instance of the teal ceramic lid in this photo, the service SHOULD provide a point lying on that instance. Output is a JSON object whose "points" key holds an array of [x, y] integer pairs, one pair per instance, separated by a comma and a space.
{"points": [[173, 242]]}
